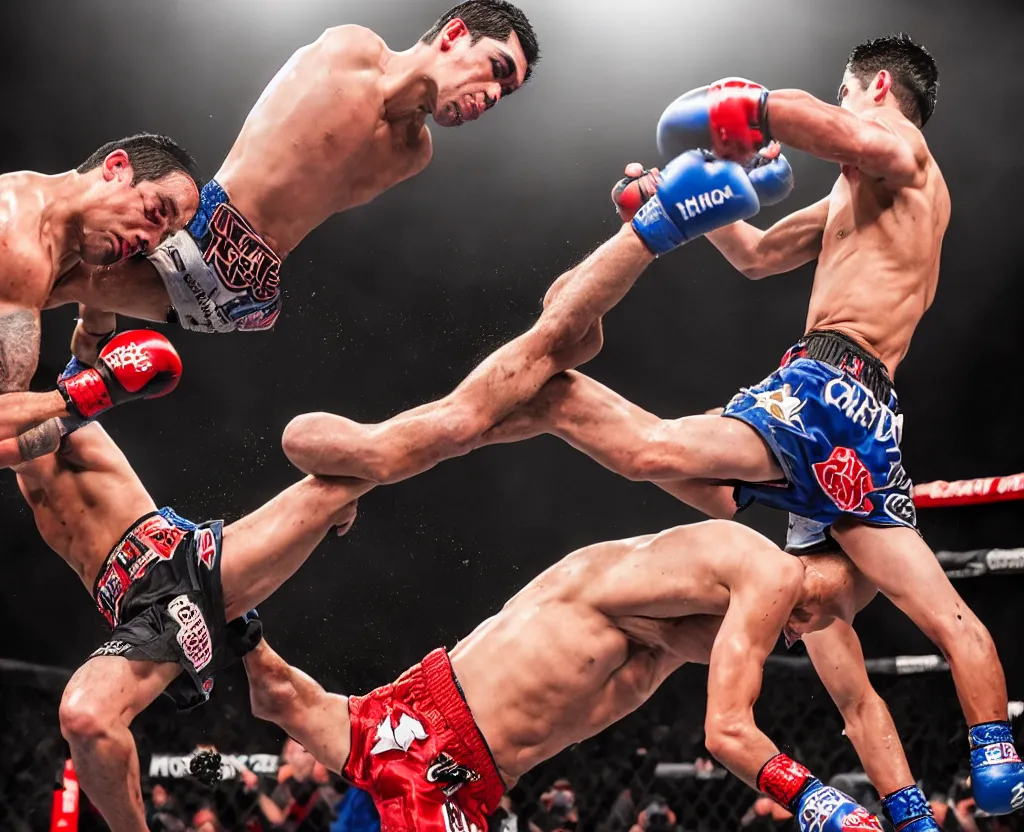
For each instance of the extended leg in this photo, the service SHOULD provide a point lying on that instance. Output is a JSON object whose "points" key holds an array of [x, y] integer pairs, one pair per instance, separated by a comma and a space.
{"points": [[567, 334], [99, 703], [264, 549]]}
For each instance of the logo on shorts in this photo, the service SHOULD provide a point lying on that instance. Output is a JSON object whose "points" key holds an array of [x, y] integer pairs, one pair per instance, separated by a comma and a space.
{"points": [[451, 775], [1000, 752], [781, 405], [900, 508], [398, 738], [846, 480], [1017, 796], [112, 648], [455, 819], [193, 634], [206, 547], [859, 406], [240, 258]]}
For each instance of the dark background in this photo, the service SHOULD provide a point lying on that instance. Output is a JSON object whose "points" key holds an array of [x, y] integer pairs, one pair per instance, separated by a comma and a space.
{"points": [[391, 304]]}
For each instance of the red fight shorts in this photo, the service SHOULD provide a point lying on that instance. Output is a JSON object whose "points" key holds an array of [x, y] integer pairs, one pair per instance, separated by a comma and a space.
{"points": [[417, 751]]}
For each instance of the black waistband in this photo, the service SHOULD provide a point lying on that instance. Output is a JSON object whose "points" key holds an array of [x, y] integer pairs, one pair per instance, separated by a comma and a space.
{"points": [[842, 352]]}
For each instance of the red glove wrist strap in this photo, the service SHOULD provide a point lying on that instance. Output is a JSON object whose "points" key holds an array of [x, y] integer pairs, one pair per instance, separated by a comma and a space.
{"points": [[87, 393], [783, 779]]}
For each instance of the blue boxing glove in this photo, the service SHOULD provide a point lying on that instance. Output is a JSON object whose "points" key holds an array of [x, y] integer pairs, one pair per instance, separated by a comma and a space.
{"points": [[908, 810], [818, 808], [729, 116], [772, 178], [997, 774], [696, 193]]}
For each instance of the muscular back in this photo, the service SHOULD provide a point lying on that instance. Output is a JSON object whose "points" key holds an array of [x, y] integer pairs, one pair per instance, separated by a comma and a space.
{"points": [[317, 143], [590, 639], [879, 262], [84, 497]]}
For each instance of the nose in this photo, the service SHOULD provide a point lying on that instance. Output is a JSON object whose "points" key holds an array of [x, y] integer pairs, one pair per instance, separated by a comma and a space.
{"points": [[492, 95]]}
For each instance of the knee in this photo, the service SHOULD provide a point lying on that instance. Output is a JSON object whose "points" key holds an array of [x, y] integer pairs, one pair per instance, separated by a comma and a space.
{"points": [[297, 440], [962, 633], [83, 719]]}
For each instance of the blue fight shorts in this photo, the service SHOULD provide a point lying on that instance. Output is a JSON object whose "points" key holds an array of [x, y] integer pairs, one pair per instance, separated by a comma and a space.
{"points": [[830, 416], [219, 273]]}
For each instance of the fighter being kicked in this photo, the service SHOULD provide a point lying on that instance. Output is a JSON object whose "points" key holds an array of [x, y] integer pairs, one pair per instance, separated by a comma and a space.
{"points": [[165, 585]]}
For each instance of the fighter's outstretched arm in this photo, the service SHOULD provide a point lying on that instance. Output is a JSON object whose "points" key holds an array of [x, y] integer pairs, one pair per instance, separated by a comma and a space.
{"points": [[800, 120], [837, 656], [749, 631], [787, 245], [567, 334], [286, 696]]}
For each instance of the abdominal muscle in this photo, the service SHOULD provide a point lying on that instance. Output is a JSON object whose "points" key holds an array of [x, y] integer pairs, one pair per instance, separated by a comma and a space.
{"points": [[879, 264]]}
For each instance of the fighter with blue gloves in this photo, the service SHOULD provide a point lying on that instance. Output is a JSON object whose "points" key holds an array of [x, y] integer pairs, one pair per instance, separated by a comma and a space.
{"points": [[820, 436]]}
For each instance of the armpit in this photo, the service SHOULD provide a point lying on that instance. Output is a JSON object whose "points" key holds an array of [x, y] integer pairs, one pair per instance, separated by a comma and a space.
{"points": [[19, 349]]}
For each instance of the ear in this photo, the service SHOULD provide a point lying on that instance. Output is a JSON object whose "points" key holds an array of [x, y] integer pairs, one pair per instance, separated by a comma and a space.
{"points": [[117, 166], [452, 31], [882, 85]]}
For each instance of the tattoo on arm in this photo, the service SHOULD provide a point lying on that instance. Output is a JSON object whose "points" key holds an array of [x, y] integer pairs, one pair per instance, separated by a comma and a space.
{"points": [[39, 441], [19, 350]]}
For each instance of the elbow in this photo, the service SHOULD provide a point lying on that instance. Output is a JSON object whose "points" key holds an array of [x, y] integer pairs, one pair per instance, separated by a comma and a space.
{"points": [[727, 736], [755, 271]]}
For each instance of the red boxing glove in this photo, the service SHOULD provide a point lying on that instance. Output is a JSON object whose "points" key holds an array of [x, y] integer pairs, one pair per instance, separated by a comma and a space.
{"points": [[730, 117], [631, 192], [738, 111], [138, 364]]}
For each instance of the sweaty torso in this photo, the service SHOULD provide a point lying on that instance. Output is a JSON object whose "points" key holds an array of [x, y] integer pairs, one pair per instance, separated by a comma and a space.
{"points": [[550, 669], [317, 143], [879, 263], [84, 497]]}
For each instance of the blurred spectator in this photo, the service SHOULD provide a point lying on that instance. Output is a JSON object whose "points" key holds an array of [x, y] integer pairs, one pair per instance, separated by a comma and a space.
{"points": [[356, 813], [162, 811], [558, 809], [504, 818], [206, 821], [765, 815], [621, 815], [303, 800], [656, 816]]}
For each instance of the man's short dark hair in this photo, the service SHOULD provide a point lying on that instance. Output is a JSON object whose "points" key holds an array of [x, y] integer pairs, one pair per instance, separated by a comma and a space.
{"points": [[915, 76], [151, 157], [492, 19]]}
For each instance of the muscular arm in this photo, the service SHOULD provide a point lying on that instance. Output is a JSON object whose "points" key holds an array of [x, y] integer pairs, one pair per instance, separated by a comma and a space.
{"points": [[94, 325], [567, 334], [749, 632], [837, 656], [785, 246], [284, 695], [19, 354], [800, 120]]}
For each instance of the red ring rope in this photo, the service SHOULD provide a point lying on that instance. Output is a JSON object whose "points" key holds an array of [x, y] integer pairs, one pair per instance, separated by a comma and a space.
{"points": [[969, 492]]}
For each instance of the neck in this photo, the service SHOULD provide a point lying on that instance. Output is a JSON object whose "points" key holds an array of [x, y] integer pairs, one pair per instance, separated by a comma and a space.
{"points": [[408, 85], [61, 220]]}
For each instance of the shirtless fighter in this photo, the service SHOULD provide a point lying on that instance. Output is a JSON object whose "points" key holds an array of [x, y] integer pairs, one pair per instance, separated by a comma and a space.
{"points": [[166, 587], [341, 122], [820, 436], [581, 646], [126, 198]]}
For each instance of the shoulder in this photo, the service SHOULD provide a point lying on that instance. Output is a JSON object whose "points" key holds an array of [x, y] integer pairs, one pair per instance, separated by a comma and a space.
{"points": [[355, 46], [902, 127], [24, 258]]}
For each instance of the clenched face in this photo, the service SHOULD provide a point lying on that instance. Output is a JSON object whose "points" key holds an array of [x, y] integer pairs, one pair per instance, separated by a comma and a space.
{"points": [[122, 220], [473, 77]]}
